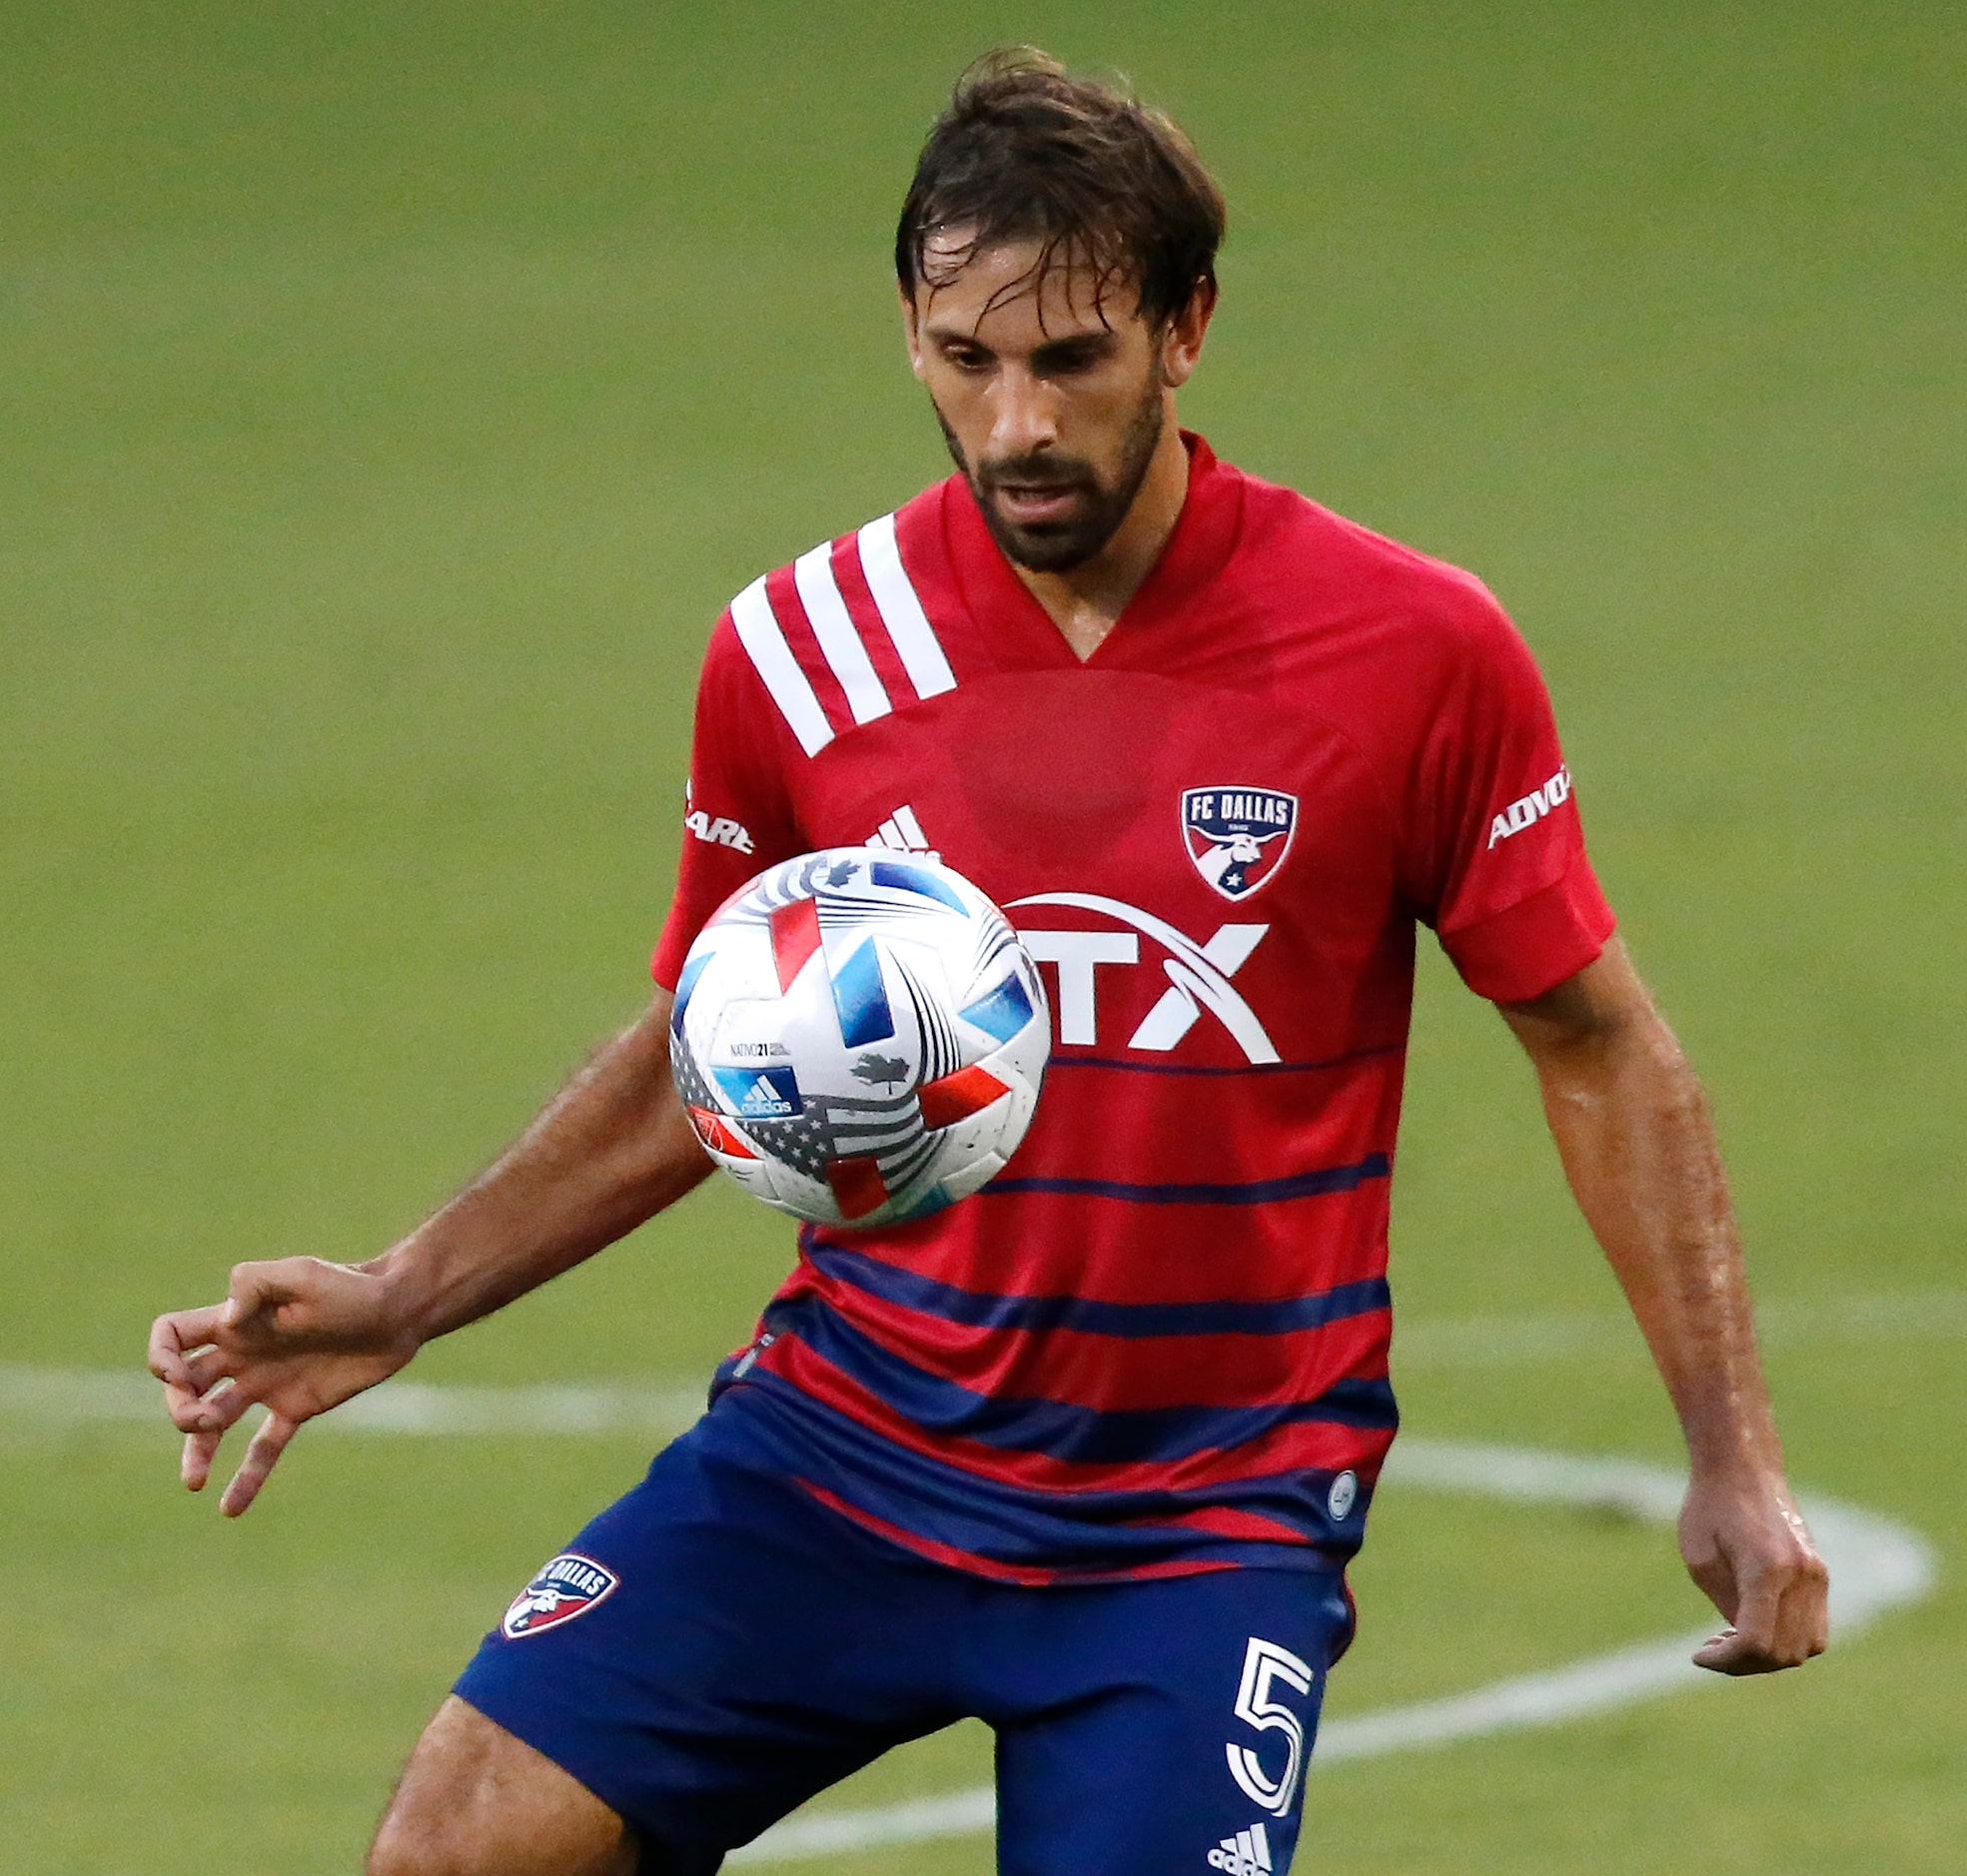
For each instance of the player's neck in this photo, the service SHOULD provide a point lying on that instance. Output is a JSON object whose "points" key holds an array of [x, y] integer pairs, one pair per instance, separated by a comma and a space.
{"points": [[1085, 601]]}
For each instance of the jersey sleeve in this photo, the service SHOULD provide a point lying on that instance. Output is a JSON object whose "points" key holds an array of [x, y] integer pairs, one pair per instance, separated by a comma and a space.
{"points": [[738, 816], [1505, 881]]}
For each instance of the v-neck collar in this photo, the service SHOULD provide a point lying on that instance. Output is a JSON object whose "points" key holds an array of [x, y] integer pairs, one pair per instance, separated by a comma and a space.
{"points": [[1014, 629]]}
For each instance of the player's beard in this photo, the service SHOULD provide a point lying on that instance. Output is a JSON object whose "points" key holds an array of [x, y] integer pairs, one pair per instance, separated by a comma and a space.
{"points": [[1058, 547]]}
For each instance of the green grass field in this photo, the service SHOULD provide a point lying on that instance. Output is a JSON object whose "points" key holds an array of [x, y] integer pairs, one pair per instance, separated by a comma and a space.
{"points": [[390, 397]]}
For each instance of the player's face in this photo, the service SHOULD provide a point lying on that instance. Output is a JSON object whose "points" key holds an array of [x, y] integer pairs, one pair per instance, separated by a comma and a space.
{"points": [[1052, 401]]}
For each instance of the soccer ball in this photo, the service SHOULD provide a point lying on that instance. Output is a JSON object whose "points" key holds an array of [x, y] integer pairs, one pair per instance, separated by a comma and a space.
{"points": [[859, 1037]]}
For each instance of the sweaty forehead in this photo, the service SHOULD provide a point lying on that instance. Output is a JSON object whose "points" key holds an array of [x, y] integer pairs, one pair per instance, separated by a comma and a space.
{"points": [[1013, 288]]}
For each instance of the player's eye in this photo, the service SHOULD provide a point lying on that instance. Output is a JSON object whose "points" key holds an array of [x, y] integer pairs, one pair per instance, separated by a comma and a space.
{"points": [[1070, 361]]}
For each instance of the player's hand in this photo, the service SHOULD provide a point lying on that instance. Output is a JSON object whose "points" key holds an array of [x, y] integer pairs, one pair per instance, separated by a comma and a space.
{"points": [[299, 1335], [1746, 1545]]}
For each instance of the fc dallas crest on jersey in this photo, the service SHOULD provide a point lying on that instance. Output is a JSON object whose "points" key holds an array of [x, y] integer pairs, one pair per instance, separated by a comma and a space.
{"points": [[569, 1585], [1238, 838]]}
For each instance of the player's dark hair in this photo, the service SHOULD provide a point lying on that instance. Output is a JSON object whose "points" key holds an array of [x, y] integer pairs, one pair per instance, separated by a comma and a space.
{"points": [[1025, 153]]}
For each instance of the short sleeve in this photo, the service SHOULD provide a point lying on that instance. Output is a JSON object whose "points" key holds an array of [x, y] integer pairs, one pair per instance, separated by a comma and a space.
{"points": [[1504, 879], [738, 816]]}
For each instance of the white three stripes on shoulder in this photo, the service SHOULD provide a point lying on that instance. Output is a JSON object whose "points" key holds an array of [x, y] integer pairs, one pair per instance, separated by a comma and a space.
{"points": [[833, 626], [902, 611], [838, 634], [771, 658]]}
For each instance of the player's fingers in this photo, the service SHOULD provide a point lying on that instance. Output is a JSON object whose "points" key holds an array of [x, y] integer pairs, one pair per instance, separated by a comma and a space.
{"points": [[196, 1466], [172, 1334], [209, 1412], [261, 1457], [225, 1405], [190, 1399], [257, 1288], [1748, 1646], [205, 1370], [1722, 1654], [1761, 1603], [1716, 1579], [188, 1412], [1730, 1654], [1803, 1620]]}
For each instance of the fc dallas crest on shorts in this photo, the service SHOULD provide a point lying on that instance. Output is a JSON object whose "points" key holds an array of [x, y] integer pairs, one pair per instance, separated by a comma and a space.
{"points": [[1238, 838], [569, 1585]]}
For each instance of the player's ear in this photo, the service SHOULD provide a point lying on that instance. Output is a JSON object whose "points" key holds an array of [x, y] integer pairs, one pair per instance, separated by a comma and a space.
{"points": [[1182, 335]]}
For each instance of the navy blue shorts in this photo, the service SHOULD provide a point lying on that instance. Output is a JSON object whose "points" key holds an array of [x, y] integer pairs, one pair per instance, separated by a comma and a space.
{"points": [[716, 1647]]}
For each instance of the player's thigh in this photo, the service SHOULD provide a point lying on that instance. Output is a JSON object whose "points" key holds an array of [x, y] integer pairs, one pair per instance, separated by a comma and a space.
{"points": [[714, 1648], [474, 1800], [1174, 1738]]}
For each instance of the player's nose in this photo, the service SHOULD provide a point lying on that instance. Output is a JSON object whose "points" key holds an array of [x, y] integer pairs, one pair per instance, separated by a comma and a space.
{"points": [[1024, 414]]}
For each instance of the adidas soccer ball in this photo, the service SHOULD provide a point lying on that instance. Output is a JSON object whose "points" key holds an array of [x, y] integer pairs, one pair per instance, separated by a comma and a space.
{"points": [[859, 1037]]}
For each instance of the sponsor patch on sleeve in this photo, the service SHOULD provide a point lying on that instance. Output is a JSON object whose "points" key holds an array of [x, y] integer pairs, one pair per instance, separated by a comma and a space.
{"points": [[721, 832], [1528, 809]]}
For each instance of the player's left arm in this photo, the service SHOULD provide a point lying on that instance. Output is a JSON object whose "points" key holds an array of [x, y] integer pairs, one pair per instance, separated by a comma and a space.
{"points": [[1638, 1147]]}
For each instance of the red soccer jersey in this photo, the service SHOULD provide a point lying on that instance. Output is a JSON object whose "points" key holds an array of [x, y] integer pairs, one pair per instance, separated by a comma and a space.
{"points": [[1157, 1343]]}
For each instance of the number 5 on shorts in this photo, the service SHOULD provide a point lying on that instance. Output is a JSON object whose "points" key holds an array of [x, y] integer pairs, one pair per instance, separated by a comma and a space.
{"points": [[1265, 1665]]}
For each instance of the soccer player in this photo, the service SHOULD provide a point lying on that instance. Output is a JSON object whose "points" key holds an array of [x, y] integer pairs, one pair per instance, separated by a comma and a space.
{"points": [[1086, 1454]]}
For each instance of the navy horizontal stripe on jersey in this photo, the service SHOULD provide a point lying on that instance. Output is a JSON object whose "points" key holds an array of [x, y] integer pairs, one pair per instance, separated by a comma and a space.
{"points": [[1058, 1428], [1090, 1532], [1311, 1184], [1125, 1067], [981, 1309]]}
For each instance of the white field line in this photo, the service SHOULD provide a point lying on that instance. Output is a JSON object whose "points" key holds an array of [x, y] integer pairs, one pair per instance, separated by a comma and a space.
{"points": [[1505, 1341], [71, 1396], [1876, 1564]]}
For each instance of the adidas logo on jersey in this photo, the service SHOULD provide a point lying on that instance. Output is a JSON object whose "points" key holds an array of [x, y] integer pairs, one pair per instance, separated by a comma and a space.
{"points": [[1248, 1853], [903, 833]]}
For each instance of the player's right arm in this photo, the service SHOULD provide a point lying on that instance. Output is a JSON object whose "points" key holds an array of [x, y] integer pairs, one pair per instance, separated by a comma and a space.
{"points": [[301, 1334]]}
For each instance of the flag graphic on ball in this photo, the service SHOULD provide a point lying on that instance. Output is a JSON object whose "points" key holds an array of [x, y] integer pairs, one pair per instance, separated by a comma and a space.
{"points": [[1238, 838]]}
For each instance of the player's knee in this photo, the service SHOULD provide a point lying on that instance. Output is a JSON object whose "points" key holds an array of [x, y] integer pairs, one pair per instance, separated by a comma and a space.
{"points": [[401, 1849], [419, 1840], [476, 1801], [421, 1836]]}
